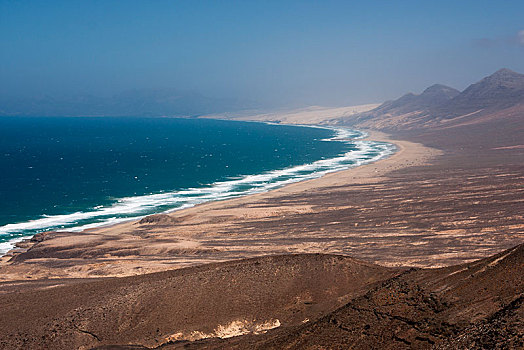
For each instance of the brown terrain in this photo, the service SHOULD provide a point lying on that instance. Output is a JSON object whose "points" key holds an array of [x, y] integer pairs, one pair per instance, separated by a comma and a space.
{"points": [[451, 195]]}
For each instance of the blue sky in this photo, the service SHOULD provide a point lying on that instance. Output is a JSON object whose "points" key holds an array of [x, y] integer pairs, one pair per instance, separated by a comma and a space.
{"points": [[281, 53]]}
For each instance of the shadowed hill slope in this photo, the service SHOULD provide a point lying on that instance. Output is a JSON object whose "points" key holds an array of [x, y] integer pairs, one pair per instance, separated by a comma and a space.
{"points": [[282, 302], [421, 308], [216, 300], [469, 306]]}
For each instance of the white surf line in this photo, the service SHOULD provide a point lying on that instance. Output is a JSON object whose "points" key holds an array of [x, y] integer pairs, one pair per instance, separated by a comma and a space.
{"points": [[216, 191]]}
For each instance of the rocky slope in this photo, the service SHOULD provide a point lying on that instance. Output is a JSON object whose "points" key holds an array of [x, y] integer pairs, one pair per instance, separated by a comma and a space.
{"points": [[434, 96], [503, 88], [441, 106], [215, 300], [471, 306], [283, 302]]}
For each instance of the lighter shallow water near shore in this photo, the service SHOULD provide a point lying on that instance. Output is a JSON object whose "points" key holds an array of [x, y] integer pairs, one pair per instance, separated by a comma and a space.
{"points": [[335, 149]]}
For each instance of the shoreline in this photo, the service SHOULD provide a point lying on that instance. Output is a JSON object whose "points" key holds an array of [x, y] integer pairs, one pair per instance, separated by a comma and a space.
{"points": [[407, 154], [22, 243]]}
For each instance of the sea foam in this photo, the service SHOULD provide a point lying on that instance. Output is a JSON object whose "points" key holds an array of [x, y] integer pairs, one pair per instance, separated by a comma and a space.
{"points": [[132, 208]]}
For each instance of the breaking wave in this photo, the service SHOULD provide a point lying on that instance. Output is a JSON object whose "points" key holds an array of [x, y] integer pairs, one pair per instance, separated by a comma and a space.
{"points": [[136, 207]]}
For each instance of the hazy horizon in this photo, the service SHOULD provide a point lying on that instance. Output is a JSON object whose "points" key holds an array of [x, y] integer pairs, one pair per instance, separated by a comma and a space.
{"points": [[253, 54]]}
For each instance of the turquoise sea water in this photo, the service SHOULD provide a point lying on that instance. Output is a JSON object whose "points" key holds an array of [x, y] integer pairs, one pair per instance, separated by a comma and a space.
{"points": [[75, 173]]}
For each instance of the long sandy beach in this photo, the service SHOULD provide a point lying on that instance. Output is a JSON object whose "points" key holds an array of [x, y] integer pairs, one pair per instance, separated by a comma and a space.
{"points": [[454, 199], [428, 205], [208, 232]]}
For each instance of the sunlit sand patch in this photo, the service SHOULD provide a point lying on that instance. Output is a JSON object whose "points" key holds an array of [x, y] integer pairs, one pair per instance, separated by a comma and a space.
{"points": [[510, 147], [233, 329], [269, 212]]}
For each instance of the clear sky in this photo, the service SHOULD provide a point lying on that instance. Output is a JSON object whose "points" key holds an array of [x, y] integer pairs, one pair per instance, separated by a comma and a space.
{"points": [[281, 53]]}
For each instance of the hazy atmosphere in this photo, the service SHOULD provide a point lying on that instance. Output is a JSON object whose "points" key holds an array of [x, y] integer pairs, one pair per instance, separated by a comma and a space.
{"points": [[220, 56], [295, 175]]}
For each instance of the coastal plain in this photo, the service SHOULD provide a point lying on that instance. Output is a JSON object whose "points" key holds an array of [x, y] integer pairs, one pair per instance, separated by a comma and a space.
{"points": [[421, 207], [420, 250], [299, 218]]}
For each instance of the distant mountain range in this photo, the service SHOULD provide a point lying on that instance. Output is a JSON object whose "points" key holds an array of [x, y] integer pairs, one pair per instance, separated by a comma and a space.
{"points": [[435, 105], [143, 102], [504, 88], [434, 96], [440, 104]]}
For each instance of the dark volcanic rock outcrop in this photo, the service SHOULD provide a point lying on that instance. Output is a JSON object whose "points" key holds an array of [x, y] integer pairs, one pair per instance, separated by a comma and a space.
{"points": [[420, 309], [157, 219]]}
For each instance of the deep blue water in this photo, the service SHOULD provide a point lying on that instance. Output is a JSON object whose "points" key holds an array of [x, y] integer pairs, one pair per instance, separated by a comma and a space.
{"points": [[58, 173]]}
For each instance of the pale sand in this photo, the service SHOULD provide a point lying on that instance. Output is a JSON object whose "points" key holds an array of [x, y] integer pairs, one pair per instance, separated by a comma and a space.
{"points": [[312, 115], [407, 154], [202, 234]]}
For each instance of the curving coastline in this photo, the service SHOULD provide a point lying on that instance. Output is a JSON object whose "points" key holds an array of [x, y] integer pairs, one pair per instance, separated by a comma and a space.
{"points": [[198, 234], [136, 207]]}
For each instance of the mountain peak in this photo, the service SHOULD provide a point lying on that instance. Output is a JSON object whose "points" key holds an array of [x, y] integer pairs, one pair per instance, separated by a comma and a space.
{"points": [[444, 91], [503, 88], [437, 87], [504, 72], [433, 96], [505, 76]]}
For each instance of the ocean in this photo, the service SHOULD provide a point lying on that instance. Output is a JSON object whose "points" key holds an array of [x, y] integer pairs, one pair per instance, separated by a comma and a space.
{"points": [[60, 173]]}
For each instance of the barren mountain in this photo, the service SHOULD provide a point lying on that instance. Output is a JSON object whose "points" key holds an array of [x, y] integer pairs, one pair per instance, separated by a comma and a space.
{"points": [[441, 106], [470, 306], [214, 300], [434, 96], [503, 88]]}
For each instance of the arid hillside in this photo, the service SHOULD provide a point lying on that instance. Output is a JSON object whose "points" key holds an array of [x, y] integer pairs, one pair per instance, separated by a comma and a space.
{"points": [[438, 231], [214, 300], [472, 306], [282, 302], [439, 106]]}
